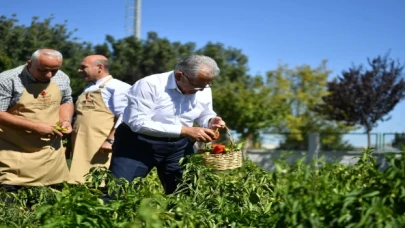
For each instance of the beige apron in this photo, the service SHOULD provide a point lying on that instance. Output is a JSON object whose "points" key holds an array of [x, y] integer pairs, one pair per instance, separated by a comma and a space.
{"points": [[93, 124], [27, 158]]}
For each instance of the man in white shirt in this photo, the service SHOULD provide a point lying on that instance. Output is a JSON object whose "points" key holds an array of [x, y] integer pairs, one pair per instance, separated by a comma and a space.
{"points": [[157, 129], [98, 112]]}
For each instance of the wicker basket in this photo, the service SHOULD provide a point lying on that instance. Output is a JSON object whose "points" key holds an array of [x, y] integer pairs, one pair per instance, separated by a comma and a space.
{"points": [[225, 161]]}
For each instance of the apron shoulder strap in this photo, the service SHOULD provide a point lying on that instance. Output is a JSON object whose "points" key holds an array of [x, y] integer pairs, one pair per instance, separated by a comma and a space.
{"points": [[102, 85]]}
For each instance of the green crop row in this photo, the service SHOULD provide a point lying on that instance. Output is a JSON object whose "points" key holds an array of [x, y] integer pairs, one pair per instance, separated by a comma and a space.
{"points": [[326, 195]]}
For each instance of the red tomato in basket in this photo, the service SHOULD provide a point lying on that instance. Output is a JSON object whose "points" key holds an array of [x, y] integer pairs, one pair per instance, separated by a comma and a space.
{"points": [[217, 148]]}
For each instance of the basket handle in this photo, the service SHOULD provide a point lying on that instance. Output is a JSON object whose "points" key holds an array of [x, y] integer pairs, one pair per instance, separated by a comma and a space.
{"points": [[230, 137]]}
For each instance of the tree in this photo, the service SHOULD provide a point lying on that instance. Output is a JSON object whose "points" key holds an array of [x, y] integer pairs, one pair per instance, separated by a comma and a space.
{"points": [[249, 104], [364, 97], [232, 62], [18, 42], [302, 88], [246, 103], [132, 59], [247, 108], [399, 141]]}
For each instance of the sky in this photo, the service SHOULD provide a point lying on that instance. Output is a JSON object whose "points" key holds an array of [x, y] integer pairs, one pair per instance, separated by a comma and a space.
{"points": [[269, 32]]}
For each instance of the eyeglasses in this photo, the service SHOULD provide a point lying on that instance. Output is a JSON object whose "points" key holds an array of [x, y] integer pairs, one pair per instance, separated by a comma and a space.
{"points": [[196, 87]]}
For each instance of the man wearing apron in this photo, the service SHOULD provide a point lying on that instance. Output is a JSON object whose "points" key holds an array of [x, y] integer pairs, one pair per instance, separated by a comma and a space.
{"points": [[98, 109], [157, 129], [33, 98]]}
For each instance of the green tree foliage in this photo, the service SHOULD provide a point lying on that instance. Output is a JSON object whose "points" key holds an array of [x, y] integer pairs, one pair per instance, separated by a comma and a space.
{"points": [[18, 42], [248, 108], [252, 108], [232, 62], [133, 59], [399, 141], [247, 104], [302, 89], [364, 97]]}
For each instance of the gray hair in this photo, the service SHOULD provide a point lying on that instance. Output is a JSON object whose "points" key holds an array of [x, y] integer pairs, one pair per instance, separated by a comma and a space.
{"points": [[48, 52], [105, 62], [192, 65]]}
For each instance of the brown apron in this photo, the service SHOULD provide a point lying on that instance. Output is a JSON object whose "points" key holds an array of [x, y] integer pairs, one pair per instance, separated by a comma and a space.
{"points": [[27, 158], [93, 124]]}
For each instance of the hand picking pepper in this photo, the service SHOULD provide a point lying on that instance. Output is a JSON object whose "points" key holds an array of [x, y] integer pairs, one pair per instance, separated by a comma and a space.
{"points": [[59, 128], [216, 137]]}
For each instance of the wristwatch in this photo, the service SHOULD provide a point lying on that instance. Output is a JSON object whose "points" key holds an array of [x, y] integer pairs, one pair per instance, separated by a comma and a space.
{"points": [[111, 141]]}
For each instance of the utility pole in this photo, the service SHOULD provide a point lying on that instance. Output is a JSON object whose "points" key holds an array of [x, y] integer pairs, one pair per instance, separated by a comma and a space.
{"points": [[138, 19], [133, 18]]}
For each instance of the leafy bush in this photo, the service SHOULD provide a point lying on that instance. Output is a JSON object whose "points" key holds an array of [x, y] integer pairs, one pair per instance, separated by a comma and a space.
{"points": [[329, 195]]}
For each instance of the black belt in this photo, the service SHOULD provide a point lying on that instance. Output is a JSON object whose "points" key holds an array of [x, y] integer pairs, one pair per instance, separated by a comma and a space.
{"points": [[162, 139]]}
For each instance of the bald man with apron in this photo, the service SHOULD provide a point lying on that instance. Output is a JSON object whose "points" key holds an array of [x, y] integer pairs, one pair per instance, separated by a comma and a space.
{"points": [[98, 110]]}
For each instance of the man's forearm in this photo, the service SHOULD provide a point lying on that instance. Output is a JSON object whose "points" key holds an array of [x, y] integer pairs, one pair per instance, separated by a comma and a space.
{"points": [[112, 132], [66, 112], [10, 120], [111, 135]]}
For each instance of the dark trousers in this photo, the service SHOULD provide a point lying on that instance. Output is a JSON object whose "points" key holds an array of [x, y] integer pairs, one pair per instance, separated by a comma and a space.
{"points": [[134, 155]]}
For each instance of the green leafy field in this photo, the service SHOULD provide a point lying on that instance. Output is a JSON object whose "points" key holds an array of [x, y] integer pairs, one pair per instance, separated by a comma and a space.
{"points": [[292, 196]]}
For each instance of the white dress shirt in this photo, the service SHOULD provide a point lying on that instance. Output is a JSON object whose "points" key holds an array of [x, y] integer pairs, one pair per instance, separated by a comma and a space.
{"points": [[156, 107], [114, 95]]}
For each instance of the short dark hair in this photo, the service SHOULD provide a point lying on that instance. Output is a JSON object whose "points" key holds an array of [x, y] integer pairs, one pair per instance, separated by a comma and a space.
{"points": [[105, 63]]}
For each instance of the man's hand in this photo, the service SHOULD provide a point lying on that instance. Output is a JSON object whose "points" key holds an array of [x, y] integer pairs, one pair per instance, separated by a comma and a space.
{"points": [[66, 125], [46, 129], [216, 123], [198, 134], [106, 147]]}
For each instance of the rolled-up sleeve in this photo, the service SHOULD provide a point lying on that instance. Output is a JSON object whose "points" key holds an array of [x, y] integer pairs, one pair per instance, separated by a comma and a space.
{"points": [[140, 110]]}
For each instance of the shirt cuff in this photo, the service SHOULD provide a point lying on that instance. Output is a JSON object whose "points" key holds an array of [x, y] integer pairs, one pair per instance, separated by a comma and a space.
{"points": [[206, 121], [173, 130]]}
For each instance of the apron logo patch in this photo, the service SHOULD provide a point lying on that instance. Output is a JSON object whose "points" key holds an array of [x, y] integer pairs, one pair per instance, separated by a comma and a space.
{"points": [[88, 104], [45, 98], [44, 101]]}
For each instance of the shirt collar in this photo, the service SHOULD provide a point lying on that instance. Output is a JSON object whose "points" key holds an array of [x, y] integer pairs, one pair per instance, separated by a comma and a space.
{"points": [[29, 75], [171, 83], [102, 80]]}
